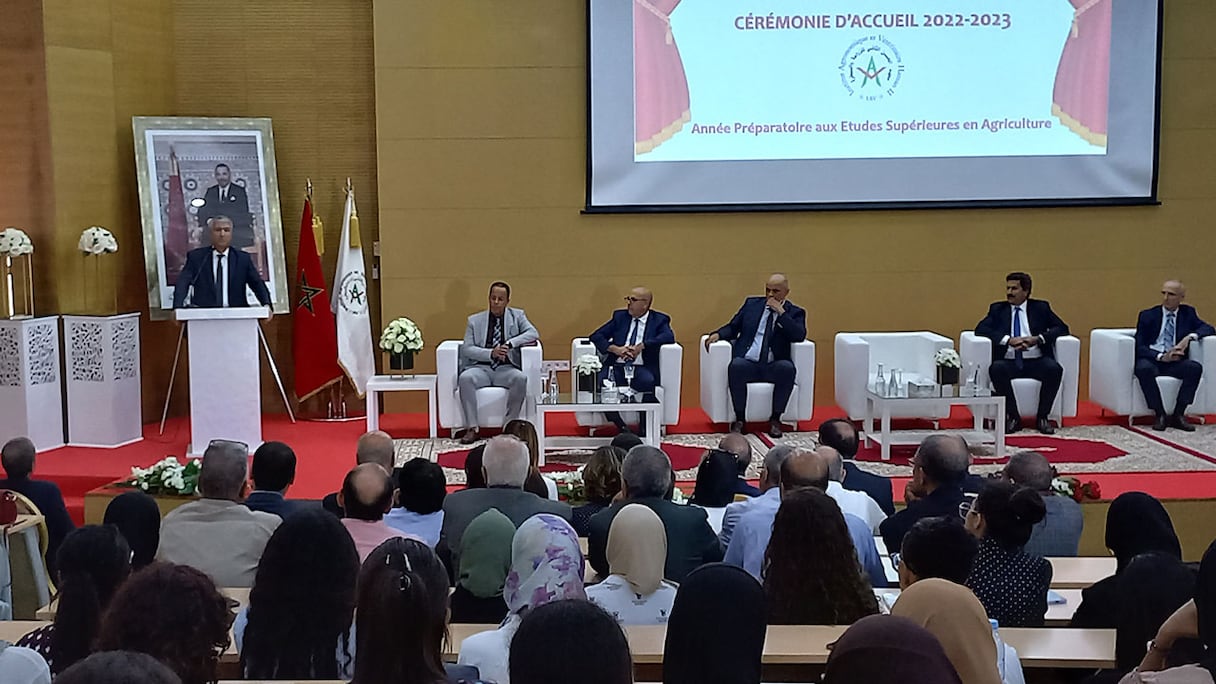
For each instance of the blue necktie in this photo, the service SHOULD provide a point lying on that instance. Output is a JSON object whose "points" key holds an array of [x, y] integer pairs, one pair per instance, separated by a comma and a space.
{"points": [[1167, 334], [1017, 332], [633, 333]]}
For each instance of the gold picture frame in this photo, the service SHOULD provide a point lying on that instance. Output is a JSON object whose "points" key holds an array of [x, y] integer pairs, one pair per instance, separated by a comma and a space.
{"points": [[178, 162]]}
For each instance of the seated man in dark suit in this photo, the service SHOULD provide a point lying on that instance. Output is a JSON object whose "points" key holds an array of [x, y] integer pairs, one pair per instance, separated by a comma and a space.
{"points": [[1059, 532], [17, 457], [219, 263], [632, 337], [373, 447], [227, 199], [272, 472], [761, 333], [645, 477], [736, 445], [1023, 333], [938, 469], [1163, 334], [840, 434]]}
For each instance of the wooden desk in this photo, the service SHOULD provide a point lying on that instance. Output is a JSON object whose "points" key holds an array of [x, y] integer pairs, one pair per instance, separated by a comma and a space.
{"points": [[1081, 572], [12, 630]]}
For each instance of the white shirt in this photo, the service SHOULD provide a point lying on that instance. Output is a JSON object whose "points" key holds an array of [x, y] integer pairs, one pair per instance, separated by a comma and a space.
{"points": [[618, 598], [714, 517], [1161, 349], [222, 287], [640, 322], [19, 665], [1032, 353], [753, 352], [858, 503], [490, 652], [223, 192]]}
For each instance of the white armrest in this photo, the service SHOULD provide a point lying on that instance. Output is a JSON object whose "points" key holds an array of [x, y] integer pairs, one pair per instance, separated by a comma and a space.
{"points": [[803, 355], [973, 349], [714, 396], [1068, 354], [531, 357], [1112, 357], [852, 373], [447, 370], [671, 368]]}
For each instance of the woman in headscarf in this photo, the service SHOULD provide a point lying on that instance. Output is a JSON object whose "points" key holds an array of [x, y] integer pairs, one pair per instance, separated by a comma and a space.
{"points": [[885, 649], [955, 616], [485, 560], [1195, 619], [715, 488], [1011, 583], [634, 592], [546, 565], [716, 631], [137, 517]]}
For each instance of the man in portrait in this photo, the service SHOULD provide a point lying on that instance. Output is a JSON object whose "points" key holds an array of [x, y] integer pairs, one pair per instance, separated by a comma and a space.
{"points": [[228, 199]]}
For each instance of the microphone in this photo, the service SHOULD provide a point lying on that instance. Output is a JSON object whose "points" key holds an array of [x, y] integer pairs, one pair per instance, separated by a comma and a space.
{"points": [[190, 289]]}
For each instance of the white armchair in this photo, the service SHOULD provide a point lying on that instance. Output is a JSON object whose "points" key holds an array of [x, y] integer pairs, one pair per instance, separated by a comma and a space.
{"points": [[974, 349], [671, 360], [1113, 384], [491, 401], [858, 356], [715, 393]]}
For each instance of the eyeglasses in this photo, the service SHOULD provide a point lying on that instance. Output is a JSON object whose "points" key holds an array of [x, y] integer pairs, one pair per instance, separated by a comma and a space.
{"points": [[966, 506], [631, 299]]}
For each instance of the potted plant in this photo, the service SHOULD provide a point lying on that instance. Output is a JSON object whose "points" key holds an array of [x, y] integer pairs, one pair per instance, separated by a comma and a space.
{"points": [[401, 339], [587, 368], [948, 364], [169, 476], [94, 242]]}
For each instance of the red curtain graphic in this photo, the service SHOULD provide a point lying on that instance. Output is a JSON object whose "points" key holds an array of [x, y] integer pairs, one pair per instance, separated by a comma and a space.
{"points": [[177, 235], [1080, 98], [660, 89]]}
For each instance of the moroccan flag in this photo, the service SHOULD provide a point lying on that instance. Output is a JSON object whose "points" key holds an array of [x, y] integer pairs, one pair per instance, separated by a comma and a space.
{"points": [[356, 353], [177, 233], [314, 339]]}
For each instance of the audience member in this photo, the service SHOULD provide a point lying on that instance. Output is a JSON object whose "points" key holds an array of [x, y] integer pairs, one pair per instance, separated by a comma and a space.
{"points": [[716, 631], [93, 561], [299, 618], [886, 649], [485, 560], [938, 468], [118, 667], [272, 472], [552, 642], [373, 447], [769, 497], [367, 494], [505, 464], [20, 665], [840, 434], [1011, 583], [421, 488], [474, 473], [858, 503], [401, 619], [811, 573], [137, 517], [1150, 589], [635, 593], [216, 534], [1059, 533], [801, 469], [955, 616], [17, 457], [536, 483], [546, 566], [737, 445], [626, 441], [173, 613], [1196, 619], [645, 478], [937, 548], [601, 483], [715, 489]]}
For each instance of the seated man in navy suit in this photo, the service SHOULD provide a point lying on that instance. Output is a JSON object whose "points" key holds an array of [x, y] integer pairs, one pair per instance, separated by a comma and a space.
{"points": [[272, 472], [1023, 333], [17, 457], [632, 337], [1163, 334], [219, 263], [840, 434], [761, 332]]}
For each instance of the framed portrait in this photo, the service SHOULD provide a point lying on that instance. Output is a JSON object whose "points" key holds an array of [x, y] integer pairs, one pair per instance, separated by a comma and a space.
{"points": [[192, 170]]}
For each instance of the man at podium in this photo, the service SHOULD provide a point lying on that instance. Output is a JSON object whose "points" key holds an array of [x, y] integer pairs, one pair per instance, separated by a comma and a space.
{"points": [[219, 263]]}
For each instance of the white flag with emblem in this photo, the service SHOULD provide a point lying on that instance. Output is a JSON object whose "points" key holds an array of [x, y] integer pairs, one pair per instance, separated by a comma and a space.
{"points": [[356, 354]]}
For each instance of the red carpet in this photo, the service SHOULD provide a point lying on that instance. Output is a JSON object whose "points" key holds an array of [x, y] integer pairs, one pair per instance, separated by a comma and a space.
{"points": [[1056, 449]]}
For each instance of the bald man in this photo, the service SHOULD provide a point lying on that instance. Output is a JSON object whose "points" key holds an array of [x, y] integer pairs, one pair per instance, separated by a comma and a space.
{"points": [[632, 337], [1163, 336], [760, 334], [737, 445], [367, 494], [373, 447]]}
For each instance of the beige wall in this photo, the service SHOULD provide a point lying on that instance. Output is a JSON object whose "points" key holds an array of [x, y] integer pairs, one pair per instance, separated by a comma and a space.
{"points": [[481, 123]]}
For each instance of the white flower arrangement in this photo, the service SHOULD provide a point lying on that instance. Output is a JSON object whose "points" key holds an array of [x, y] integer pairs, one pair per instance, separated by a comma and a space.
{"points": [[588, 364], [400, 336], [97, 240], [947, 358], [14, 242], [169, 476]]}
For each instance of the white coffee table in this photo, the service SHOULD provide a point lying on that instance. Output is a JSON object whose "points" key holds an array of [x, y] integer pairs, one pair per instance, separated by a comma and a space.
{"points": [[879, 406], [570, 404], [400, 383]]}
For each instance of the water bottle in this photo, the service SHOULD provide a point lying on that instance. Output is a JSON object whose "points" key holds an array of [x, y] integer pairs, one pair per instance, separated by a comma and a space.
{"points": [[968, 388], [1000, 648], [553, 391], [893, 387], [609, 394], [880, 384]]}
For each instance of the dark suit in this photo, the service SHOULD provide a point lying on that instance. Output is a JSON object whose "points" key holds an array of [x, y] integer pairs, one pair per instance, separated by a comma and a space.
{"points": [[1148, 368], [942, 501], [235, 206], [617, 332], [270, 502], [49, 500], [778, 368], [199, 270], [1045, 325], [460, 508], [876, 487], [691, 542], [745, 488]]}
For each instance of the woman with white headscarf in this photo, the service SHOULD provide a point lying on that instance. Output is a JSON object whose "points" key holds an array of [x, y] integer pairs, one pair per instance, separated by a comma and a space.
{"points": [[635, 593], [546, 566]]}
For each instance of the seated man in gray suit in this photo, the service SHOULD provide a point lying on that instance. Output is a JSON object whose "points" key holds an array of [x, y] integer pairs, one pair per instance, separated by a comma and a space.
{"points": [[490, 357], [505, 463], [1058, 534]]}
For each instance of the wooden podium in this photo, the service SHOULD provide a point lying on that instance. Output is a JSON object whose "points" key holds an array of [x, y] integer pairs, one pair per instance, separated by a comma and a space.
{"points": [[225, 377]]}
